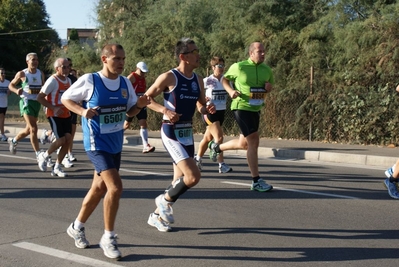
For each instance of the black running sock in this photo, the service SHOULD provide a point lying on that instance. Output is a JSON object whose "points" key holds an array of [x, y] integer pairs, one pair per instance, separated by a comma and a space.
{"points": [[393, 180], [255, 179], [217, 148]]}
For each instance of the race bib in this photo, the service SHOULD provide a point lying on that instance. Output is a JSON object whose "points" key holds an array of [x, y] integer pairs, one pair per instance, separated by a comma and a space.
{"points": [[257, 96], [111, 118], [219, 97], [184, 133], [34, 89]]}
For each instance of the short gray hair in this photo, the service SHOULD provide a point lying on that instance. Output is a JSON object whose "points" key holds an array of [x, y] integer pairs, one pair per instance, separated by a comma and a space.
{"points": [[182, 46], [30, 55], [58, 62]]}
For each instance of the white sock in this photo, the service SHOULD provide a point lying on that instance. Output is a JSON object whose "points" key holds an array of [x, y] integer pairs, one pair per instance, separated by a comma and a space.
{"points": [[77, 225], [198, 158], [109, 234], [144, 136]]}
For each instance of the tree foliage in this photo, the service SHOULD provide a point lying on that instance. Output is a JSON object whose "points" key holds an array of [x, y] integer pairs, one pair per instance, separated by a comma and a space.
{"points": [[351, 46], [335, 61], [73, 36], [24, 28]]}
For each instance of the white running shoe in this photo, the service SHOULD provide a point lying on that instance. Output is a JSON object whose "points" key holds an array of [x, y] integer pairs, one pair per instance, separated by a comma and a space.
{"points": [[13, 146], [43, 139], [156, 221], [42, 161], [110, 247], [58, 172], [71, 157], [224, 168], [148, 149], [50, 162], [66, 163], [165, 208], [261, 186], [79, 236], [198, 162]]}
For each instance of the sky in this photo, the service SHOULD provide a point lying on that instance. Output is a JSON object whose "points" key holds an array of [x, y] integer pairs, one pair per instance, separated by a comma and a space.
{"points": [[71, 14]]}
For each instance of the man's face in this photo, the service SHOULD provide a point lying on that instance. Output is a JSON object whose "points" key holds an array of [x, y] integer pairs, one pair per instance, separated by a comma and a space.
{"points": [[257, 55], [192, 56], [33, 62], [63, 70], [116, 61]]}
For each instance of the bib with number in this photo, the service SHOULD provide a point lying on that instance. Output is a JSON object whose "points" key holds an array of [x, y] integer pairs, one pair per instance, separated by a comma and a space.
{"points": [[257, 96], [111, 118], [184, 133]]}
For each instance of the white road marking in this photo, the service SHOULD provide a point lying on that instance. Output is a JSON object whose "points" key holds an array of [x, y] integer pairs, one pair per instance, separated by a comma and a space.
{"points": [[298, 191], [144, 172], [64, 255], [16, 157]]}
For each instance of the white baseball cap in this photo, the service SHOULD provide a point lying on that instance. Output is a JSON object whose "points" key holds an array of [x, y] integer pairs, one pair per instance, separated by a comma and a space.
{"points": [[142, 66]]}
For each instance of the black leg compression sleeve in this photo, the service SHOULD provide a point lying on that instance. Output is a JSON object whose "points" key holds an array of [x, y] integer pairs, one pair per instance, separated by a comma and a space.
{"points": [[178, 189], [168, 188]]}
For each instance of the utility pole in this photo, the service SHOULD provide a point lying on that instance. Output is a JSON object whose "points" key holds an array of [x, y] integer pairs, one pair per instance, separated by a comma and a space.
{"points": [[310, 93]]}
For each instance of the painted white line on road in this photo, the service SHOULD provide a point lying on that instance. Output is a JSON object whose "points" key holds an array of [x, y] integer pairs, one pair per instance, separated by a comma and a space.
{"points": [[298, 191], [16, 157], [144, 172], [64, 255]]}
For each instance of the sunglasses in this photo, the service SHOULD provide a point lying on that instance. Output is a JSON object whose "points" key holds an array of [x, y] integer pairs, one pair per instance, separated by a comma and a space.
{"points": [[220, 66], [195, 52], [64, 67]]}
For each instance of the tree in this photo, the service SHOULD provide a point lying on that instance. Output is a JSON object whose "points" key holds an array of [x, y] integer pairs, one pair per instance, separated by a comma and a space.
{"points": [[73, 36], [23, 29]]}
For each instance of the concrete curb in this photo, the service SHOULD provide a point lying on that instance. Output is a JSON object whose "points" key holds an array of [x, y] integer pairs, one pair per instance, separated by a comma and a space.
{"points": [[265, 152], [268, 152]]}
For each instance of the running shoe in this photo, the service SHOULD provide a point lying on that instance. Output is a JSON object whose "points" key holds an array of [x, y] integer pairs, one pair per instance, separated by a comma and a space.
{"points": [[261, 186], [110, 247], [212, 152], [79, 236], [58, 172], [66, 163], [156, 221], [4, 138], [50, 162], [224, 168], [392, 189], [71, 157], [389, 172], [43, 139], [148, 149], [198, 162], [42, 161], [165, 208], [13, 146]]}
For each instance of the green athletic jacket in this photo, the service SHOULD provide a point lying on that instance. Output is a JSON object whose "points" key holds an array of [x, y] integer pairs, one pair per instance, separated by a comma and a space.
{"points": [[249, 79]]}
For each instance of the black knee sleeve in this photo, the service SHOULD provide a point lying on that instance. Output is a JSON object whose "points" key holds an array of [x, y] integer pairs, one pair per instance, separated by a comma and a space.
{"points": [[178, 188]]}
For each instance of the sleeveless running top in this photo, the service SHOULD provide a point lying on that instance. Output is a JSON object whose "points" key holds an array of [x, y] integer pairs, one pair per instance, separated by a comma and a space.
{"points": [[183, 97], [106, 129], [32, 84]]}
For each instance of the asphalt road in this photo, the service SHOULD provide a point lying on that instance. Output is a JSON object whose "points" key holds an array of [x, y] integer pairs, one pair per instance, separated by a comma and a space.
{"points": [[319, 214]]}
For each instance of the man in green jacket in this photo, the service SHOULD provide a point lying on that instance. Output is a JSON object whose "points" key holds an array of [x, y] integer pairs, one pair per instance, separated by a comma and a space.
{"points": [[252, 80]]}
